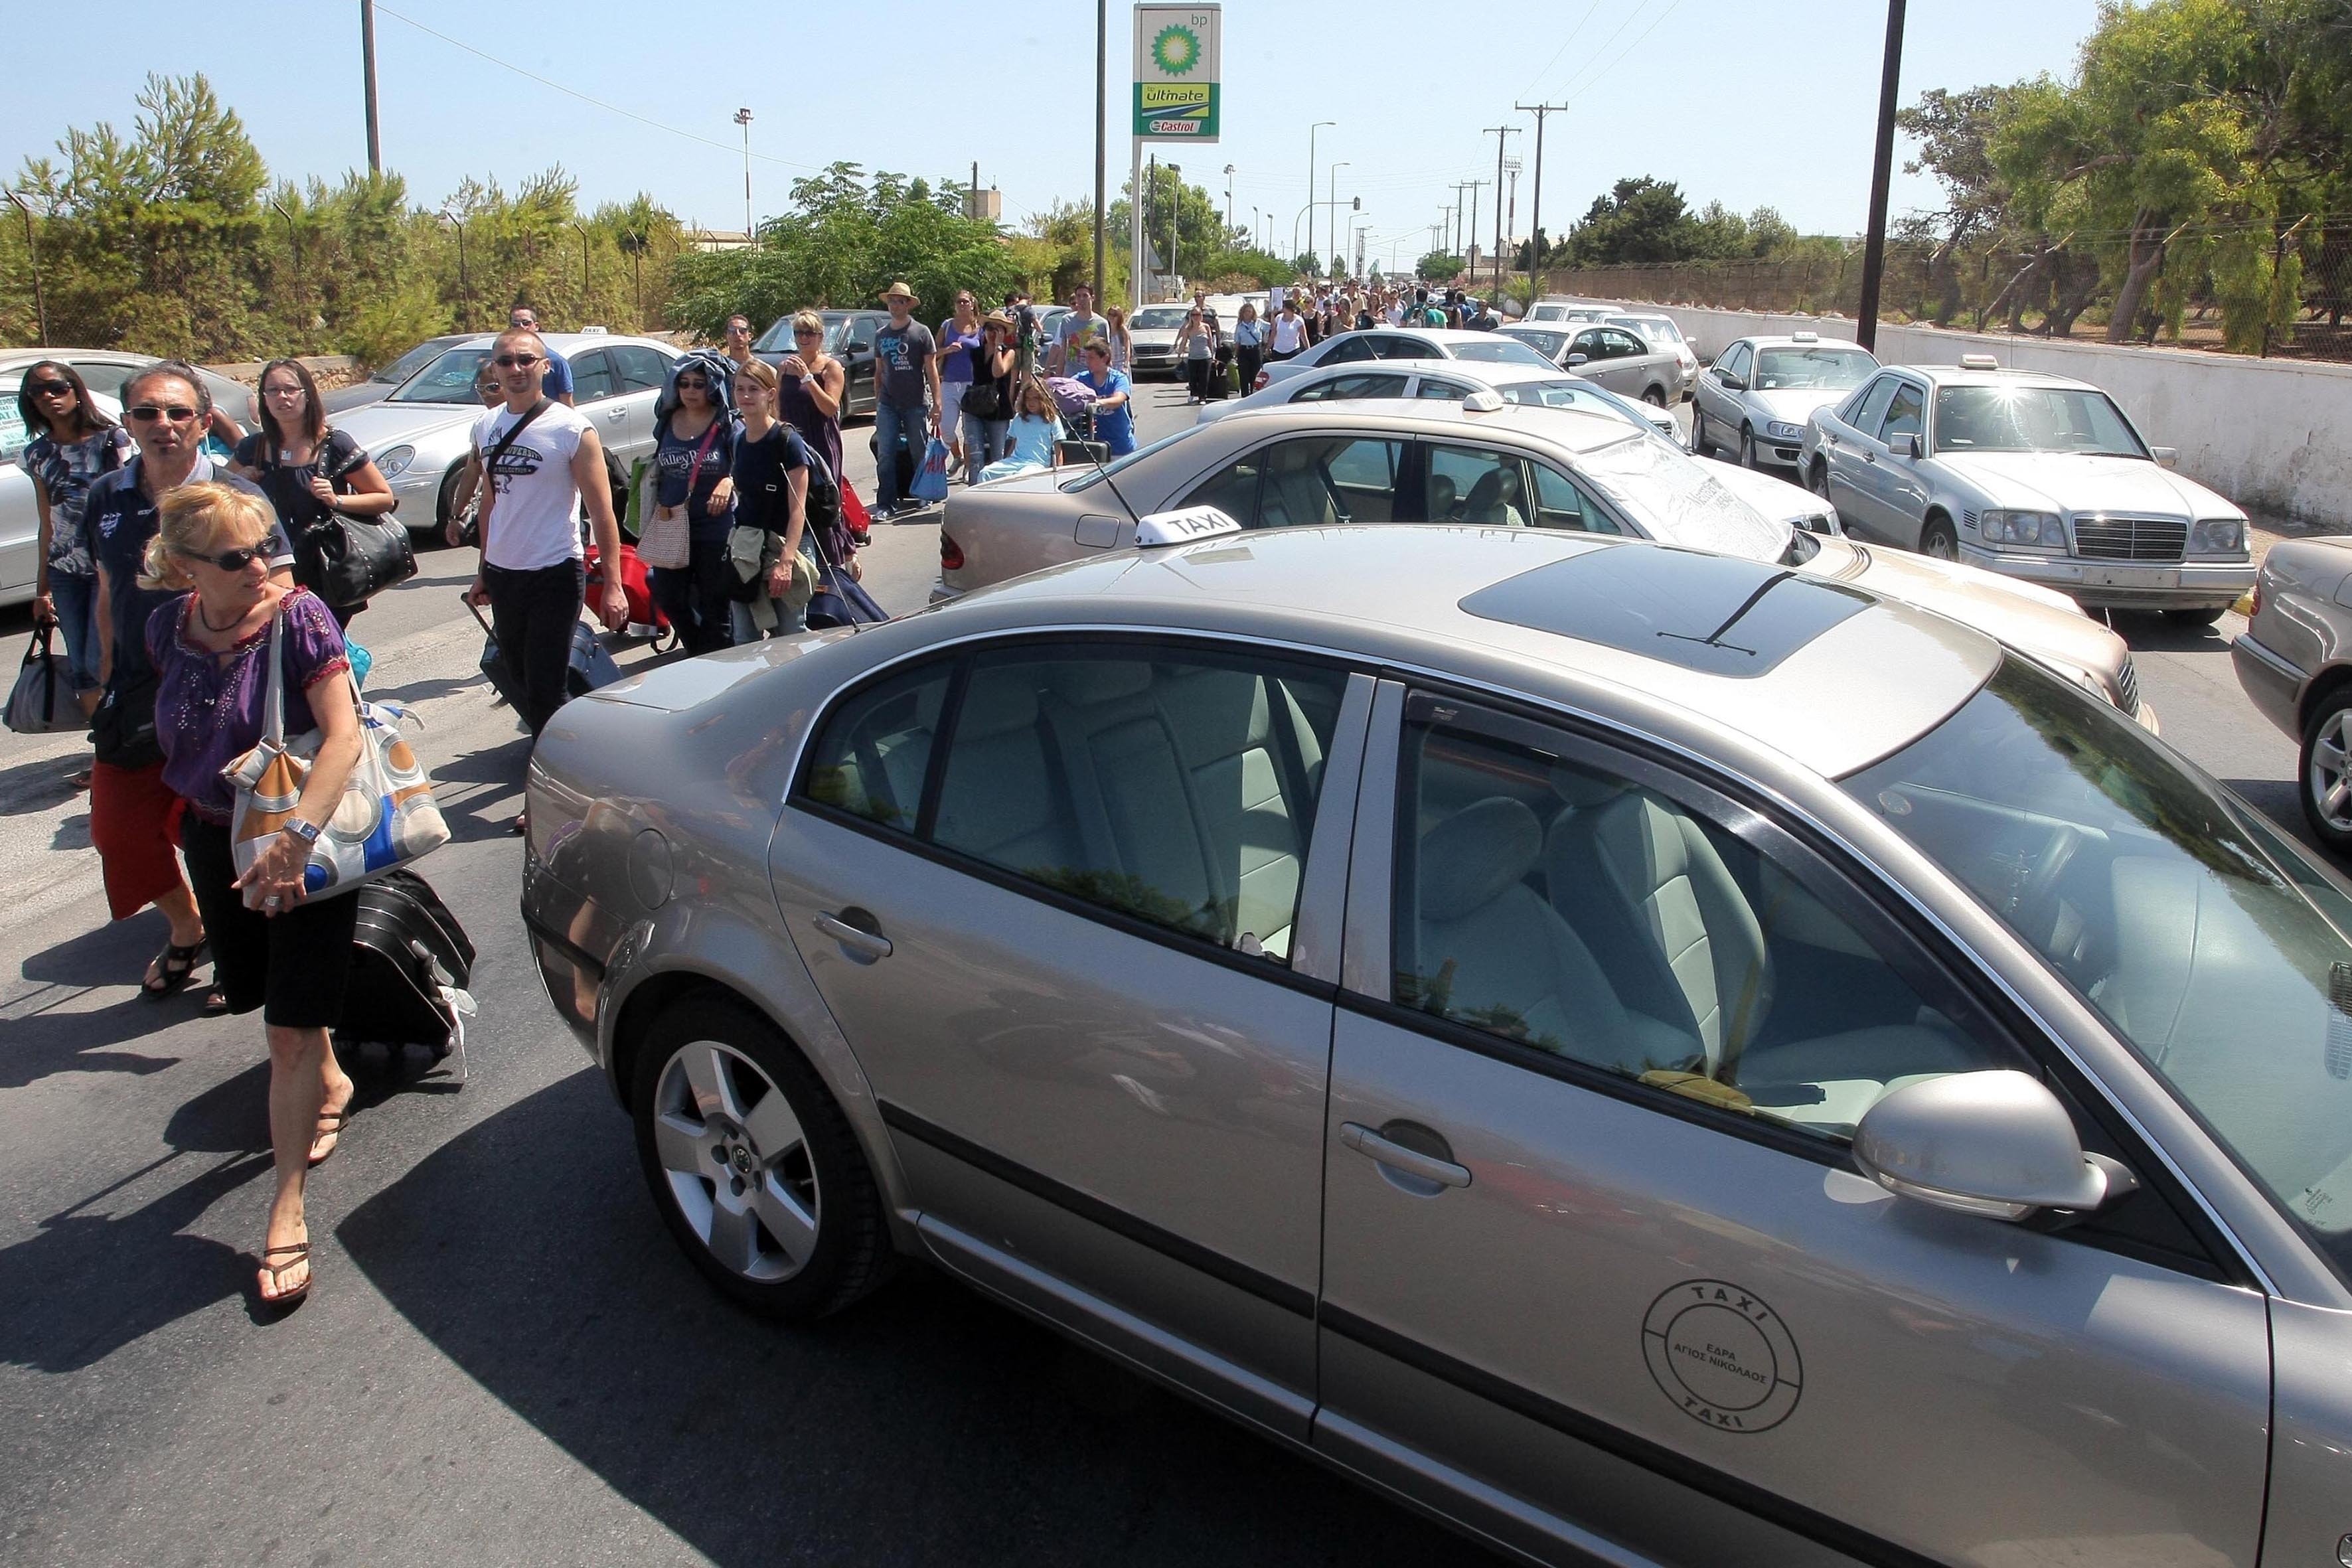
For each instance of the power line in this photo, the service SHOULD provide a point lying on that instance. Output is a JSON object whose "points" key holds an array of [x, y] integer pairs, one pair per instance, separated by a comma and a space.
{"points": [[1563, 48], [1638, 38], [572, 92]]}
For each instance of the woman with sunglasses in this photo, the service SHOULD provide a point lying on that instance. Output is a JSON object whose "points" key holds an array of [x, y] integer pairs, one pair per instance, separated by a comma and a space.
{"points": [[73, 443], [310, 473], [694, 460], [988, 403], [809, 397], [273, 947], [959, 341]]}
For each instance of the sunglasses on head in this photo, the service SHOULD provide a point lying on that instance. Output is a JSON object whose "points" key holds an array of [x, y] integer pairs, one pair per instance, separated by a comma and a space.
{"points": [[50, 388], [516, 361], [148, 412], [227, 560]]}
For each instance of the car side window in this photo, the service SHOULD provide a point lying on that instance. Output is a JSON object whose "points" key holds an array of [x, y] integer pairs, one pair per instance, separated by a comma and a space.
{"points": [[1907, 414], [1475, 484], [1366, 383], [1314, 481], [1587, 344], [591, 377], [1735, 361], [1872, 406], [1546, 901], [861, 333], [1232, 490], [1348, 350], [873, 750], [1444, 391], [1625, 345], [1560, 504], [642, 369], [1174, 787], [1393, 347]]}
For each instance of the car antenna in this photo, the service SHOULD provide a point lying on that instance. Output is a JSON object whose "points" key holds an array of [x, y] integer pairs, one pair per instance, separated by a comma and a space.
{"points": [[1097, 462]]}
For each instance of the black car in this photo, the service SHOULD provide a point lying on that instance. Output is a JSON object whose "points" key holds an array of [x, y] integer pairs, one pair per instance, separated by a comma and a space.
{"points": [[850, 338]]}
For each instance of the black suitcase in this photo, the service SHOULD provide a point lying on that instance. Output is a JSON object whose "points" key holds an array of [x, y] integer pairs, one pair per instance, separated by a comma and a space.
{"points": [[406, 947], [591, 664]]}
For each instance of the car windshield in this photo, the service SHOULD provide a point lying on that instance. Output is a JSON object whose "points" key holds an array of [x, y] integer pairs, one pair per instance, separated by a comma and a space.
{"points": [[2205, 939], [1118, 466], [409, 364], [1567, 392], [1662, 335], [1548, 344], [448, 379], [2019, 418], [1501, 350], [1678, 500], [1823, 369], [778, 338], [1159, 317]]}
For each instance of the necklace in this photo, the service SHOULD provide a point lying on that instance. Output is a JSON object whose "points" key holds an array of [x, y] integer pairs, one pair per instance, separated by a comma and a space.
{"points": [[208, 622]]}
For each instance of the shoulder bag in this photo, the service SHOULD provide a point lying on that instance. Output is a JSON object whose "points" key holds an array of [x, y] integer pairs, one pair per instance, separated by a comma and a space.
{"points": [[387, 818], [668, 541], [348, 560], [42, 701]]}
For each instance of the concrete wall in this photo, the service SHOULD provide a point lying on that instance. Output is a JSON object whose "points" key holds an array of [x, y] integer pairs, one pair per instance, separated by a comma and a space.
{"points": [[2274, 435]]}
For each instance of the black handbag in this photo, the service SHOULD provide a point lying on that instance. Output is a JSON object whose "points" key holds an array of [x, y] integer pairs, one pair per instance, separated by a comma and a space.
{"points": [[42, 700], [346, 560], [123, 727], [985, 399]]}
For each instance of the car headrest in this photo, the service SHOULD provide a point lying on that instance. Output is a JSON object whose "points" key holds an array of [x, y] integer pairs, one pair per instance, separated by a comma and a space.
{"points": [[1086, 681], [1583, 790], [1470, 857], [997, 707]]}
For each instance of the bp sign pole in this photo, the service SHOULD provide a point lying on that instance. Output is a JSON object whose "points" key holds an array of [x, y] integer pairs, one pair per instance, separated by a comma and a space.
{"points": [[1177, 69]]}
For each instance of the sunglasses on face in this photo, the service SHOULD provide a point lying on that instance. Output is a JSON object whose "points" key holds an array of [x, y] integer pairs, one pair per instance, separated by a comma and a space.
{"points": [[692, 384], [516, 361], [808, 333], [148, 412], [227, 560], [51, 389], [736, 330]]}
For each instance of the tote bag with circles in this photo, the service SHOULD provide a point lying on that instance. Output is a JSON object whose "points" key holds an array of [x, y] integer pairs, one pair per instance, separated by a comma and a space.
{"points": [[387, 817]]}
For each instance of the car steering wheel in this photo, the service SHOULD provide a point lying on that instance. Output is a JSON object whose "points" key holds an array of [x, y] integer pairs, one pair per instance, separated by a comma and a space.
{"points": [[2037, 904]]}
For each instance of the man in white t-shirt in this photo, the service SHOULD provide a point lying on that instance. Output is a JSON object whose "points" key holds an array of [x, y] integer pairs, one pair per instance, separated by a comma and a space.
{"points": [[532, 576]]}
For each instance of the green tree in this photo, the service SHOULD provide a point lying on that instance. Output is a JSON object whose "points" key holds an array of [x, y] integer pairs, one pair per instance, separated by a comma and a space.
{"points": [[1437, 266]]}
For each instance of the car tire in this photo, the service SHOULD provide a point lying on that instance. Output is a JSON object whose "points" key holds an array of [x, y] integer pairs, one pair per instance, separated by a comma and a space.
{"points": [[2326, 768], [1937, 541], [1654, 397], [791, 1224], [1817, 479], [1746, 447], [444, 506], [1697, 432], [2211, 616]]}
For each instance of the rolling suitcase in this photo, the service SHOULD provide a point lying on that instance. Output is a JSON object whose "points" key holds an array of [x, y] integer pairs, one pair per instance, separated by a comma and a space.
{"points": [[591, 664], [410, 963]]}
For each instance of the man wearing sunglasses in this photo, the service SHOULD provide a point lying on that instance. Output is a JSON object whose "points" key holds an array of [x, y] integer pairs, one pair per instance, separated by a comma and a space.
{"points": [[738, 340], [133, 817], [555, 379], [542, 461]]}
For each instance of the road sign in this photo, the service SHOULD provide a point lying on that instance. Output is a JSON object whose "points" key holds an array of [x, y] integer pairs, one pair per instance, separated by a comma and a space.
{"points": [[1176, 70]]}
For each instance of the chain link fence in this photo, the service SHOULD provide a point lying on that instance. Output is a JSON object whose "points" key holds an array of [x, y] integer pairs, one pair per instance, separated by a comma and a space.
{"points": [[2283, 291]]}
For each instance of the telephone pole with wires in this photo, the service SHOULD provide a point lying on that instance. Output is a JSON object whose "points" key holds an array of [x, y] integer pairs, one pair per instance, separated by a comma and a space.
{"points": [[1535, 217], [751, 233], [1500, 133]]}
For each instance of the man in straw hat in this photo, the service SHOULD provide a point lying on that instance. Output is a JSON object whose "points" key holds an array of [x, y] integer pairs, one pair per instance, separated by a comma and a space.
{"points": [[906, 395]]}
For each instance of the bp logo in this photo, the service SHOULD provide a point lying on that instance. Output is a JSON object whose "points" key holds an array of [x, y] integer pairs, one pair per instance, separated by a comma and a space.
{"points": [[1176, 50], [1722, 1356]]}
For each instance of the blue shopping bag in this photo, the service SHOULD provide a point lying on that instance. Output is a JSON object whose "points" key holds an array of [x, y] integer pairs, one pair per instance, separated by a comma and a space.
{"points": [[931, 480]]}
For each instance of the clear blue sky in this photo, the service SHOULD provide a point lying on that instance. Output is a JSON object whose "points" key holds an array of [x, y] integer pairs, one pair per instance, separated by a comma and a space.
{"points": [[1751, 103]]}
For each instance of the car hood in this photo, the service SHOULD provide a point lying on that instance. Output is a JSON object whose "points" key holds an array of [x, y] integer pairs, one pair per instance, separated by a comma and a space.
{"points": [[2045, 623], [1153, 337], [1773, 496], [1795, 406], [381, 425], [681, 684], [2082, 483]]}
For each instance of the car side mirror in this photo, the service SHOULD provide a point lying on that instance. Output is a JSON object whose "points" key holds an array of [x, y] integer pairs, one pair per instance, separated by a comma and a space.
{"points": [[1904, 445], [1994, 1143], [2166, 456], [1575, 360], [1731, 381]]}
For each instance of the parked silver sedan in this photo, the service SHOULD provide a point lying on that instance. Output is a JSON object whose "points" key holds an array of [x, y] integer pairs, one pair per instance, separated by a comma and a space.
{"points": [[1622, 360], [1403, 343], [1663, 333], [1756, 398], [2036, 477], [2294, 660], [1644, 1054]]}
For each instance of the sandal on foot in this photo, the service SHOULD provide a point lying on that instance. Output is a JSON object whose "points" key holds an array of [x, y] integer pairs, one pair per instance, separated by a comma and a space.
{"points": [[331, 1125], [216, 1004], [174, 966], [297, 1256]]}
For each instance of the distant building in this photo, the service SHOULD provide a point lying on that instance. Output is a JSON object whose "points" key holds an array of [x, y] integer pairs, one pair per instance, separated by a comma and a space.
{"points": [[987, 205], [715, 239]]}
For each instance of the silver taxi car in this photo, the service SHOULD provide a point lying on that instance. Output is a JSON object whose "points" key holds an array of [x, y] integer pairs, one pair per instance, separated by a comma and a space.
{"points": [[2295, 661], [1756, 398], [1653, 1057], [2037, 477]]}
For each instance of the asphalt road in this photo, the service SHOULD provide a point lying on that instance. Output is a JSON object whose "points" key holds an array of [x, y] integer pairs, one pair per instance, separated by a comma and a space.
{"points": [[505, 1360]]}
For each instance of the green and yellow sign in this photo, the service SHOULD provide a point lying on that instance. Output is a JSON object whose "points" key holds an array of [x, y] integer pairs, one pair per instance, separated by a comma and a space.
{"points": [[1176, 70]]}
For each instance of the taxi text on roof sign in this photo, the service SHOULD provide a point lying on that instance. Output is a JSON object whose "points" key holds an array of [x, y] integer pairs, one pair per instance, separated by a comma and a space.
{"points": [[1183, 525], [1177, 65]]}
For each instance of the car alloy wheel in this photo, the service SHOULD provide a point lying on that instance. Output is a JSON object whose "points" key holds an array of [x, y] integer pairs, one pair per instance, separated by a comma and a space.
{"points": [[1937, 542], [2327, 771], [752, 1164]]}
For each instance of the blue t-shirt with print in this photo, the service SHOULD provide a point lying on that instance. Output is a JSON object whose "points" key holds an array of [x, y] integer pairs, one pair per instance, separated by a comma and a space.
{"points": [[674, 463], [1114, 427]]}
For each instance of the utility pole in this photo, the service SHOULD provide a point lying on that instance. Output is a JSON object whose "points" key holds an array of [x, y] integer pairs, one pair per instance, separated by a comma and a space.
{"points": [[1102, 103], [972, 203], [1511, 227], [1310, 180], [1473, 186], [1459, 186], [1175, 209], [32, 260], [367, 62], [751, 232], [1331, 232], [1501, 134], [1873, 245], [1229, 204], [1143, 204], [1535, 218]]}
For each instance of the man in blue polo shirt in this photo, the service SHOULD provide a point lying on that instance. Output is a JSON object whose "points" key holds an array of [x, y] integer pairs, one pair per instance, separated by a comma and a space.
{"points": [[556, 380], [1113, 420]]}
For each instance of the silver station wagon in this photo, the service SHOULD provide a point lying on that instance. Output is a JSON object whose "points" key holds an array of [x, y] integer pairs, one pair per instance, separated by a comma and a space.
{"points": [[1651, 1057]]}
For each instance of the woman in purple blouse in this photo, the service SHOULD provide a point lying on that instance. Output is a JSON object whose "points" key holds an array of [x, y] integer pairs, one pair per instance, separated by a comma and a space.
{"points": [[271, 949]]}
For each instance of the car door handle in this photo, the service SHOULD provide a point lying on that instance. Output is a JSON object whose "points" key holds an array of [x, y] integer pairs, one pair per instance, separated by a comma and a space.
{"points": [[1387, 1152], [871, 943], [1870, 457], [617, 414]]}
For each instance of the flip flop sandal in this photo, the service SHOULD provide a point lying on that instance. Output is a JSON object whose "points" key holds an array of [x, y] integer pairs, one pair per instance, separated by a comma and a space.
{"points": [[174, 980], [216, 1004], [331, 1125], [297, 1256]]}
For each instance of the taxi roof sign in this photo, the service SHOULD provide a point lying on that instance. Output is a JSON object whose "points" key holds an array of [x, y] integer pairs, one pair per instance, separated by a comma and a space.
{"points": [[1183, 526], [1806, 337]]}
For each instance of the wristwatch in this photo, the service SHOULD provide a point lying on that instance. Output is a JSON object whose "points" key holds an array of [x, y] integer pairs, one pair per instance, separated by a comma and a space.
{"points": [[307, 832]]}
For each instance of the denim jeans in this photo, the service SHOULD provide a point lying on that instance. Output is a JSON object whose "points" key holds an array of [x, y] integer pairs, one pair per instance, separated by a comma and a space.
{"points": [[984, 441], [76, 602], [896, 428], [532, 615]]}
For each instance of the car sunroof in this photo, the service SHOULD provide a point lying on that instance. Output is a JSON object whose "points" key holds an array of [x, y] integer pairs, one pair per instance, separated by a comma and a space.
{"points": [[1711, 613]]}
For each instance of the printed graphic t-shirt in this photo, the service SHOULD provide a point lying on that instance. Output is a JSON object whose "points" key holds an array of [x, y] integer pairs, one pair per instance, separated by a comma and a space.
{"points": [[901, 352], [530, 524]]}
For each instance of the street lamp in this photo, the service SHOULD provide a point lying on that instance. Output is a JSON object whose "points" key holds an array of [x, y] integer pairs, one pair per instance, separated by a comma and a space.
{"points": [[1229, 204], [584, 307], [1310, 177], [1253, 228], [750, 235], [1175, 206], [1332, 229], [464, 294]]}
